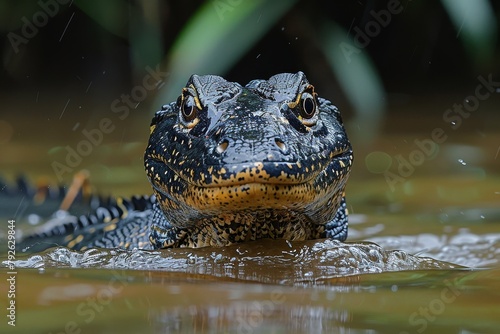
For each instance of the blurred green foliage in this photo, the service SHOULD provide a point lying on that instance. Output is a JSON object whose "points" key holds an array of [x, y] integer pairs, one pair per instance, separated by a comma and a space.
{"points": [[228, 36]]}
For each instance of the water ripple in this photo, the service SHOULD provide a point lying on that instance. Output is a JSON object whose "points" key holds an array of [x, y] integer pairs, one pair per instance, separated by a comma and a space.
{"points": [[263, 261]]}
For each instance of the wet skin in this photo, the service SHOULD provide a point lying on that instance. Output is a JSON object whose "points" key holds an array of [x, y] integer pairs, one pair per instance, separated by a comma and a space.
{"points": [[227, 164]]}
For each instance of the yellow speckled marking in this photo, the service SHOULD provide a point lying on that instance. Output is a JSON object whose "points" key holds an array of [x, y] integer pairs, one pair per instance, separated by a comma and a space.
{"points": [[119, 202], [256, 174], [75, 241], [110, 227], [251, 195]]}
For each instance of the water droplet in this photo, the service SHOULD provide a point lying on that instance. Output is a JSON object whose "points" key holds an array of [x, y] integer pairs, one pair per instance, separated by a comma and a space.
{"points": [[34, 219], [461, 161], [282, 28]]}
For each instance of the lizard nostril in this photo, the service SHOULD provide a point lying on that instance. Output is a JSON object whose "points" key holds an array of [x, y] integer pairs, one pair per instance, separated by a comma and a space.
{"points": [[281, 145], [222, 146]]}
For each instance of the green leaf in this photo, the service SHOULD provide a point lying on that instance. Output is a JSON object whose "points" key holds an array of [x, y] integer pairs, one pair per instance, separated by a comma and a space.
{"points": [[216, 37]]}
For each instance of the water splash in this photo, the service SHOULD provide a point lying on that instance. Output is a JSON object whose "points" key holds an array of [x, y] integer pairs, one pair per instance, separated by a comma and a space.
{"points": [[267, 261], [464, 248]]}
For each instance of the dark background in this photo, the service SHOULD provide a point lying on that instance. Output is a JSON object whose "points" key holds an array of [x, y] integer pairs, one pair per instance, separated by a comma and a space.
{"points": [[89, 53], [420, 48]]}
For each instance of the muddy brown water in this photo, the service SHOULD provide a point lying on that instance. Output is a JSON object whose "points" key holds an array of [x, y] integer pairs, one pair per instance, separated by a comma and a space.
{"points": [[422, 256]]}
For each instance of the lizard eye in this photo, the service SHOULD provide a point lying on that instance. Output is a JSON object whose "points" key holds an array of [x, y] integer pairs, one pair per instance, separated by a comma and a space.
{"points": [[304, 110], [188, 109], [308, 107]]}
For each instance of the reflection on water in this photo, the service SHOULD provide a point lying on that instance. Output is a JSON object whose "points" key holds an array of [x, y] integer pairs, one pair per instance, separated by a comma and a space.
{"points": [[128, 301], [264, 286]]}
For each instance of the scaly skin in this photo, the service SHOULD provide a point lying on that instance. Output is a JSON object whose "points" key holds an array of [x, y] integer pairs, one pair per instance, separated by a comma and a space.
{"points": [[229, 163]]}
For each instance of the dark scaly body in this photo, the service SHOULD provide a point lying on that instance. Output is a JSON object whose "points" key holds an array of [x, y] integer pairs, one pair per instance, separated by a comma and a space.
{"points": [[87, 221], [230, 163]]}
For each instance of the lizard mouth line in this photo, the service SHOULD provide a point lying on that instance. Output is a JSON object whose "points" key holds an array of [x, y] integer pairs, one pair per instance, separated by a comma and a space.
{"points": [[257, 173], [236, 198]]}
